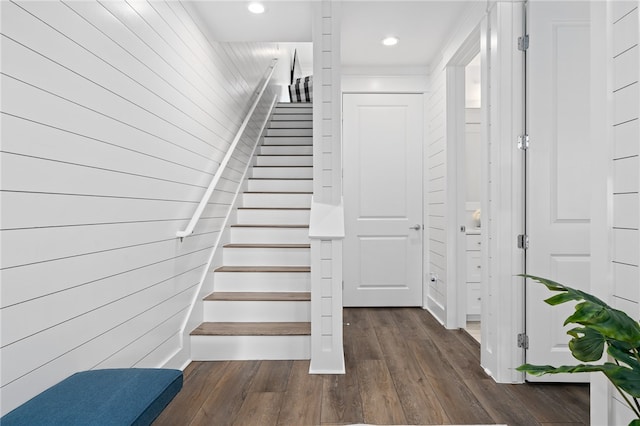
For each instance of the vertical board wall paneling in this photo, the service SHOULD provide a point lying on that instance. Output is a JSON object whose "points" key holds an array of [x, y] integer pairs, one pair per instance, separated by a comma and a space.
{"points": [[625, 68], [115, 116]]}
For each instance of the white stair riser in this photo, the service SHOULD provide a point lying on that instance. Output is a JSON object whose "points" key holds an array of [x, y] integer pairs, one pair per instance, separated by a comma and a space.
{"points": [[284, 140], [294, 105], [284, 160], [286, 150], [291, 117], [291, 124], [282, 172], [269, 235], [294, 109], [280, 185], [261, 281], [256, 311], [273, 217], [276, 200], [289, 132], [222, 348], [251, 256]]}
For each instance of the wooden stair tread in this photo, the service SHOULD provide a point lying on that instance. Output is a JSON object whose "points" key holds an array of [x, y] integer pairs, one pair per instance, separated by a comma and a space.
{"points": [[259, 296], [263, 269], [253, 329], [268, 246], [268, 226]]}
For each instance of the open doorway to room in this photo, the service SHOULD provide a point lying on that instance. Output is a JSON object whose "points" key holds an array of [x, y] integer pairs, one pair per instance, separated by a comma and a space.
{"points": [[471, 168], [466, 186]]}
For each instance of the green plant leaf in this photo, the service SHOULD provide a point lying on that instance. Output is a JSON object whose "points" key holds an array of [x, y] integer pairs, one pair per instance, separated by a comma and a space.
{"points": [[623, 377], [611, 323], [573, 294], [594, 313], [560, 298], [635, 422], [539, 370], [624, 356], [587, 345]]}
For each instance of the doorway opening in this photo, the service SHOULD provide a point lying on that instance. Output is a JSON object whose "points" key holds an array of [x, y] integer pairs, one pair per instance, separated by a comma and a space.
{"points": [[471, 168]]}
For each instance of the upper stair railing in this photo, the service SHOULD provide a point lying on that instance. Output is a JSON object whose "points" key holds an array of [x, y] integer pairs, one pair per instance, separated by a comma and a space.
{"points": [[216, 177]]}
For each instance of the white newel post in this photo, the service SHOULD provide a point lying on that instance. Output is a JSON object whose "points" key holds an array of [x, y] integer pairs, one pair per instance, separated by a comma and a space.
{"points": [[327, 217]]}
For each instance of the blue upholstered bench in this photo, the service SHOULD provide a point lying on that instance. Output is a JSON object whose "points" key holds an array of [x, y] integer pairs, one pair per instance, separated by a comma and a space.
{"points": [[127, 396]]}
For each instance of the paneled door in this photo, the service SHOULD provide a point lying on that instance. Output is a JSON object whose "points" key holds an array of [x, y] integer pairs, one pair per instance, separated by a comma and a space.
{"points": [[558, 196], [382, 163]]}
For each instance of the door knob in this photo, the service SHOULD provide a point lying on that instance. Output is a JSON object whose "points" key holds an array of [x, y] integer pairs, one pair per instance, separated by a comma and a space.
{"points": [[416, 227]]}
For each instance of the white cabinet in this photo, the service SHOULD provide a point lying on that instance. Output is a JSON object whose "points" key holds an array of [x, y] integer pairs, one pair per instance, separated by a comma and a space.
{"points": [[473, 247]]}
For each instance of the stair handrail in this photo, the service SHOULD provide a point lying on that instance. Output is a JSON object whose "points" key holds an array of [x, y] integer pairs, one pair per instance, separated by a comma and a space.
{"points": [[223, 164]]}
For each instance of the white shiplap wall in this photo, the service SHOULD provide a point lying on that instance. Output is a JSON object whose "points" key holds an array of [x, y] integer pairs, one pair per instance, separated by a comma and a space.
{"points": [[115, 116], [435, 187], [438, 154], [623, 21]]}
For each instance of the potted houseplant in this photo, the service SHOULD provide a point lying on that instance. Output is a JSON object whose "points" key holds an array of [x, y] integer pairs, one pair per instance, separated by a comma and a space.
{"points": [[598, 326]]}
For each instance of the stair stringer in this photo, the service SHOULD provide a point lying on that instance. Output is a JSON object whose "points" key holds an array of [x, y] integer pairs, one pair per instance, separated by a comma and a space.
{"points": [[183, 356]]}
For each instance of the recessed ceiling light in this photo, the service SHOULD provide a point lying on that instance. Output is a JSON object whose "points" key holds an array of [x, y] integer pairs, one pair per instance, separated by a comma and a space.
{"points": [[256, 7], [390, 41]]}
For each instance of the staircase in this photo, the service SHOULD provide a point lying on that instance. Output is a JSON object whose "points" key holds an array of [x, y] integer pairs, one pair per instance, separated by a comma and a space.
{"points": [[260, 307]]}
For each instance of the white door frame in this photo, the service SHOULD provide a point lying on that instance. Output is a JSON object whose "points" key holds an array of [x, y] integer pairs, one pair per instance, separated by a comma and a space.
{"points": [[456, 192], [397, 296], [503, 182]]}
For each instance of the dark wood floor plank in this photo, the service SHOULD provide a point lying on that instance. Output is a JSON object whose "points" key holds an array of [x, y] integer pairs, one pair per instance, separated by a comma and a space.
{"points": [[380, 402], [341, 402], [463, 360], [401, 364], [301, 404], [500, 403], [459, 403], [553, 402], [362, 342], [382, 317], [272, 376], [406, 320], [227, 394], [419, 401], [260, 409], [197, 387]]}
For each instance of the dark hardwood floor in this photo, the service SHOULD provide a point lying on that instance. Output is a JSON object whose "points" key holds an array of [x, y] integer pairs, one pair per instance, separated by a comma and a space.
{"points": [[402, 368]]}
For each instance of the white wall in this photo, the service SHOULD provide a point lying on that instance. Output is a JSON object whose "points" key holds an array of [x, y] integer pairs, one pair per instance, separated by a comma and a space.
{"points": [[115, 116], [625, 137], [438, 151]]}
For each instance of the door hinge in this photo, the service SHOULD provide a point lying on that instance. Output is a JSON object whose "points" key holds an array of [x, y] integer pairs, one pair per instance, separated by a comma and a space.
{"points": [[523, 42], [523, 341], [523, 142], [523, 241]]}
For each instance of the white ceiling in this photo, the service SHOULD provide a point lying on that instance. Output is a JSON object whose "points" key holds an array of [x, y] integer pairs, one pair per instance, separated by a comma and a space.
{"points": [[421, 25]]}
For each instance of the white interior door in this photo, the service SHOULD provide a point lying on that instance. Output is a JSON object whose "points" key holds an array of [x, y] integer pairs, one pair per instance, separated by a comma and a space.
{"points": [[558, 198], [382, 161]]}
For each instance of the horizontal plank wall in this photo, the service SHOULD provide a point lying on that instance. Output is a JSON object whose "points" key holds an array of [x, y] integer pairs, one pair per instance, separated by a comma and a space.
{"points": [[115, 116], [436, 170], [438, 150], [623, 21]]}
